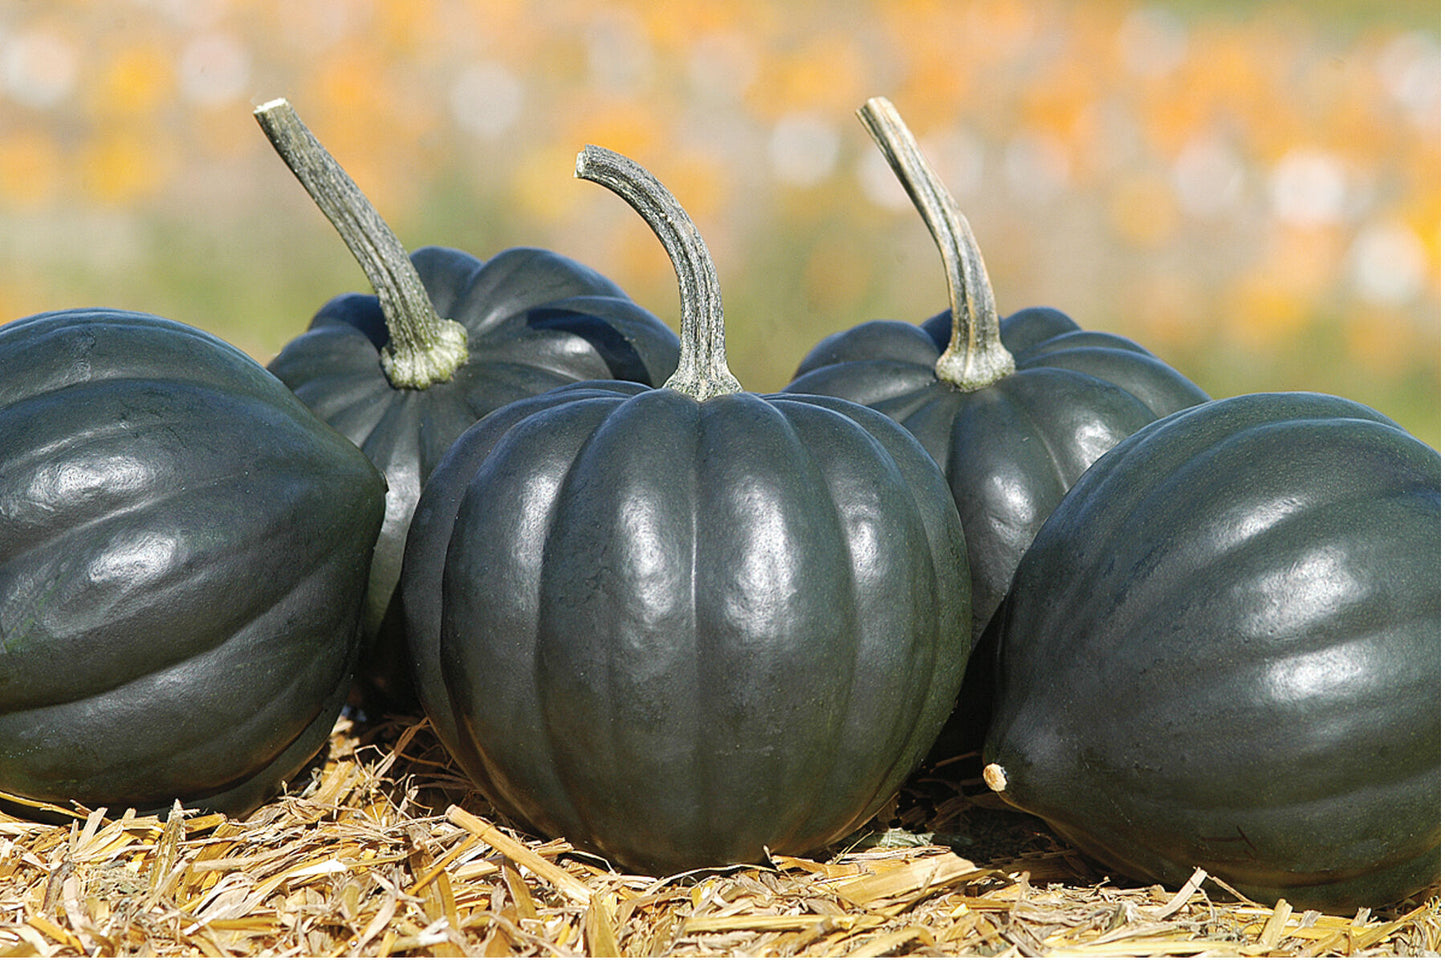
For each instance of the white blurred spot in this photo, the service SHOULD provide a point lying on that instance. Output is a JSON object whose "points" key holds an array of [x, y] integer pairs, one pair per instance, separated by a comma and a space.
{"points": [[721, 66], [1111, 138], [1409, 67], [619, 55], [486, 99], [803, 148], [880, 185], [321, 24], [196, 14], [955, 156], [1309, 187], [1036, 166], [37, 68], [958, 158], [1387, 263], [1208, 176], [214, 68], [1152, 42]]}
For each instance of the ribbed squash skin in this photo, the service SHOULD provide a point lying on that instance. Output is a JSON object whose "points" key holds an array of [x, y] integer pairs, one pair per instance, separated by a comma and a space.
{"points": [[183, 555], [676, 631], [534, 320], [1222, 650], [1011, 449]]}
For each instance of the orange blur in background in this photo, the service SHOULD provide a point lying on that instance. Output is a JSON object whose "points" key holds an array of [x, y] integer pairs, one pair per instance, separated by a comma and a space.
{"points": [[1250, 189]]}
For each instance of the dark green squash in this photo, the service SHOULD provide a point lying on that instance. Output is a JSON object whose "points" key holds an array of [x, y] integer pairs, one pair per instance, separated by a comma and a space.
{"points": [[184, 551], [389, 373], [1222, 650], [678, 625], [1013, 411]]}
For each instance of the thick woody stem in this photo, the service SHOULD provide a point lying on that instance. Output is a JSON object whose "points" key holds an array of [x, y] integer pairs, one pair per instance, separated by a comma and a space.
{"points": [[975, 356], [424, 349], [702, 369]]}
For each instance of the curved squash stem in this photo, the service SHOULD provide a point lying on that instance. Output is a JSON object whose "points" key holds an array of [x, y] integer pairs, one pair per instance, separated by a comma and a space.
{"points": [[424, 348], [975, 356], [702, 369]]}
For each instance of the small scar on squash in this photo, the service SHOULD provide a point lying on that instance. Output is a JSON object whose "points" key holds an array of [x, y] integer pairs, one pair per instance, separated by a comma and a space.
{"points": [[993, 775]]}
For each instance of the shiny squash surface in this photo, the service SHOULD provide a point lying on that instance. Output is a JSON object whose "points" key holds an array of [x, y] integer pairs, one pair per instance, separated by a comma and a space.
{"points": [[1222, 650], [184, 550]]}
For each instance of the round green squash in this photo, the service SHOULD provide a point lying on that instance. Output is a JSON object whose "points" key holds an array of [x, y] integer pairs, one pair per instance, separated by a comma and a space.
{"points": [[1013, 411], [679, 625], [184, 551], [402, 383], [1222, 650]]}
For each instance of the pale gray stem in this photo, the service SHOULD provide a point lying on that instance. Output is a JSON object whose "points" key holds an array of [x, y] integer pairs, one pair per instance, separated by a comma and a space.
{"points": [[975, 356], [424, 349], [702, 369]]}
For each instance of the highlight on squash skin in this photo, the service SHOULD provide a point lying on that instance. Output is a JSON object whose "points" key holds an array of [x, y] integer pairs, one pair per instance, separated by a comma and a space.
{"points": [[975, 357], [424, 348]]}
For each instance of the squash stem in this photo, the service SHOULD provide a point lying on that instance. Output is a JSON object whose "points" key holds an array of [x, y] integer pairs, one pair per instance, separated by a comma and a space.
{"points": [[424, 349], [702, 368], [975, 356]]}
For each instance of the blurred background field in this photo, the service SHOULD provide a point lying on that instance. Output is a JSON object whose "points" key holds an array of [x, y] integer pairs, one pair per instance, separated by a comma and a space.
{"points": [[1250, 189]]}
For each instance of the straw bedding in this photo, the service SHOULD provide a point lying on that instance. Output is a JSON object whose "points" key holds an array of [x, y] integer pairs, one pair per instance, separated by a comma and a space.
{"points": [[380, 849]]}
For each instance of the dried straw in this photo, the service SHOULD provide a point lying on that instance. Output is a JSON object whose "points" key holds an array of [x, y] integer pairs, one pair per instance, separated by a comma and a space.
{"points": [[384, 851]]}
